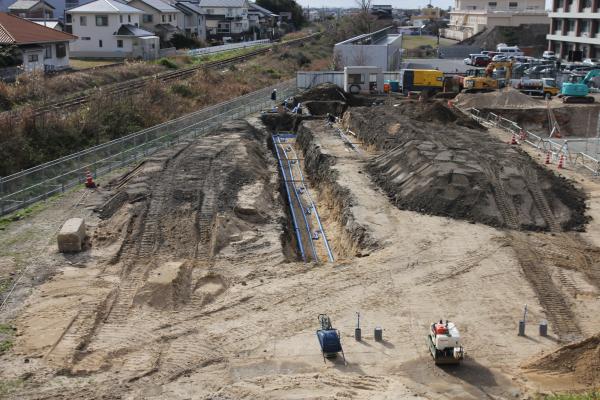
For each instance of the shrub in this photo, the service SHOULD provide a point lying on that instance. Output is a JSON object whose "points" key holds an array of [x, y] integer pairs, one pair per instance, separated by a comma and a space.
{"points": [[180, 41], [165, 62], [182, 89]]}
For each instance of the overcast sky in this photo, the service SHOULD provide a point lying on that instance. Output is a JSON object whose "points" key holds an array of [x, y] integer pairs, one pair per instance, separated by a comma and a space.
{"points": [[394, 3]]}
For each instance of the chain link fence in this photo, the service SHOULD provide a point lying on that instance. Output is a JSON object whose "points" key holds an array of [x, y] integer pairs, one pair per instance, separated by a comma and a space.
{"points": [[584, 152], [37, 183]]}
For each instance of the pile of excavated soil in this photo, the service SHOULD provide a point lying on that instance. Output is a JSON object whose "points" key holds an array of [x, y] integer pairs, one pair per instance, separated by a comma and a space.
{"points": [[436, 161], [327, 92], [507, 98], [579, 361]]}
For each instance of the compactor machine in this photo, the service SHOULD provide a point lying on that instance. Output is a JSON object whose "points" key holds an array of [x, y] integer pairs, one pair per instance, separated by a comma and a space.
{"points": [[444, 343]]}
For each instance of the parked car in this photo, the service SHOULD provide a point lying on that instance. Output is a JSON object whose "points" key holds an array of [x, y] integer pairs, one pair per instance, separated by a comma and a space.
{"points": [[481, 61], [537, 69], [594, 62], [549, 55], [499, 57]]}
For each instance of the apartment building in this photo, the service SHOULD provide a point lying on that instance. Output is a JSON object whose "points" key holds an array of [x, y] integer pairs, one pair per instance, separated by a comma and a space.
{"points": [[469, 17], [575, 29]]}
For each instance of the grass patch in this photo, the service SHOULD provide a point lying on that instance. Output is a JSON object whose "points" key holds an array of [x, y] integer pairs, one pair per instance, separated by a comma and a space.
{"points": [[21, 214], [594, 395], [9, 385], [5, 345], [84, 64], [414, 42], [6, 329]]}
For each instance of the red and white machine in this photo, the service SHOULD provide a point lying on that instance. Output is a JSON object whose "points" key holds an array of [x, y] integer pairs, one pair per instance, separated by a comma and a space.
{"points": [[444, 343]]}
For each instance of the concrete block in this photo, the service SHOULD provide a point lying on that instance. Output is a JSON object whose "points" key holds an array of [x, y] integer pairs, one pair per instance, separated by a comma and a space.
{"points": [[71, 236]]}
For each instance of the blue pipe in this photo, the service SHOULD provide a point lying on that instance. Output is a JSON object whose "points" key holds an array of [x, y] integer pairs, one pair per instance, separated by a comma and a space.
{"points": [[314, 206], [312, 245], [298, 238]]}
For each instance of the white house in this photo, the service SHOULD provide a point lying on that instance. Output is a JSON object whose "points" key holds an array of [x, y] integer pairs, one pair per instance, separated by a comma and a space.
{"points": [[40, 48], [191, 19], [159, 17], [110, 29], [225, 18]]}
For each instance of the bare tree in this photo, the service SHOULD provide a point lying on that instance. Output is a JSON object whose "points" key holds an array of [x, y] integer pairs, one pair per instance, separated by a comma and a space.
{"points": [[365, 14]]}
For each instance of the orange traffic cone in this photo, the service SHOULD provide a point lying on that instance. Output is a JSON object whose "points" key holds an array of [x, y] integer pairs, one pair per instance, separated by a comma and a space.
{"points": [[522, 134], [561, 161], [513, 140], [547, 158], [89, 180]]}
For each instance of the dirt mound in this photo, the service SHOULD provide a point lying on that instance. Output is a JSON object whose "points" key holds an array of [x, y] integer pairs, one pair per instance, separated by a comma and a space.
{"points": [[330, 92], [507, 98], [435, 162], [579, 360]]}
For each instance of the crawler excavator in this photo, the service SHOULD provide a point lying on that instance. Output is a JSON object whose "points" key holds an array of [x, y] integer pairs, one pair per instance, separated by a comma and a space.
{"points": [[488, 82], [577, 90]]}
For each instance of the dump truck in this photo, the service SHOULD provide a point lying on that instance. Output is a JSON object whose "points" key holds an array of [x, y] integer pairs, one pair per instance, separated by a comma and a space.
{"points": [[422, 80], [545, 87], [444, 343]]}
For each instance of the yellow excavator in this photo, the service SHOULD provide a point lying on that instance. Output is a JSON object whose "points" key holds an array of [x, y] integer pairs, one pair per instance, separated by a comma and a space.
{"points": [[488, 81]]}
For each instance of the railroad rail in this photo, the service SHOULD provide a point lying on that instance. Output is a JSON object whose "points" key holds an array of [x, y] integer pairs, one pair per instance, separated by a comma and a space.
{"points": [[138, 83]]}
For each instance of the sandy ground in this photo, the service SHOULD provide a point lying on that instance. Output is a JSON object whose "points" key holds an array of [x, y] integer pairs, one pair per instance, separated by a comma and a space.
{"points": [[247, 330]]}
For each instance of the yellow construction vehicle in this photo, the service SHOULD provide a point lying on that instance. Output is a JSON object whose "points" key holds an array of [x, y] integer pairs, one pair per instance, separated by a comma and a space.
{"points": [[490, 80]]}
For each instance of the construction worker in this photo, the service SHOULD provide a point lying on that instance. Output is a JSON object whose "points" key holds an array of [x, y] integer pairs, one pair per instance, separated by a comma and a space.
{"points": [[274, 97], [297, 109]]}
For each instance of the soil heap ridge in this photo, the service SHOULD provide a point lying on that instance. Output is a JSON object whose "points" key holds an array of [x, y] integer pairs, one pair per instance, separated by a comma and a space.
{"points": [[507, 98], [579, 360], [435, 160]]}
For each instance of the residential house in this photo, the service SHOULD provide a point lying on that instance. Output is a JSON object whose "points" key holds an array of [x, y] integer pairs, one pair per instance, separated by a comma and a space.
{"points": [[159, 17], [261, 21], [49, 23], [575, 29], [32, 9], [469, 17], [39, 48], [382, 11], [226, 18], [190, 19], [110, 29]]}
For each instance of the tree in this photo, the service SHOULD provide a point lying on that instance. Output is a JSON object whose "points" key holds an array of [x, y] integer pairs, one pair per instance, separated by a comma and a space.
{"points": [[365, 19], [278, 6]]}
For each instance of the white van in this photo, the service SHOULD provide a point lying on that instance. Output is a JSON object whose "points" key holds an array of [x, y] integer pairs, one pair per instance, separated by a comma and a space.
{"points": [[509, 51]]}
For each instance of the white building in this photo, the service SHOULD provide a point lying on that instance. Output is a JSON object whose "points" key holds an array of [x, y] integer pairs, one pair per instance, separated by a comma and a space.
{"points": [[225, 18], [41, 49], [469, 17], [575, 29], [159, 17], [380, 49], [191, 19], [110, 29]]}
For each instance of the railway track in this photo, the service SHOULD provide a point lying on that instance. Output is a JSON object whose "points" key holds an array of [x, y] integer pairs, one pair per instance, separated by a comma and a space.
{"points": [[139, 83]]}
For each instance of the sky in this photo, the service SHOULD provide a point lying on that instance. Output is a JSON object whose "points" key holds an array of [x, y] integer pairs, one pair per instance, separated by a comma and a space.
{"points": [[395, 3]]}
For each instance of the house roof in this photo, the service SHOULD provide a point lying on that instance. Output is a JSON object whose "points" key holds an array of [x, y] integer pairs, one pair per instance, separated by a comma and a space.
{"points": [[16, 30], [132, 30], [49, 24], [262, 9], [188, 6], [167, 28], [159, 5], [27, 4], [223, 3], [105, 7]]}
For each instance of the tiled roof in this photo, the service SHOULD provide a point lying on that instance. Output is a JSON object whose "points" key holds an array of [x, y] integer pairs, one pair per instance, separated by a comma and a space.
{"points": [[27, 4], [223, 3], [132, 30], [105, 6], [16, 30], [261, 9], [160, 5], [187, 5]]}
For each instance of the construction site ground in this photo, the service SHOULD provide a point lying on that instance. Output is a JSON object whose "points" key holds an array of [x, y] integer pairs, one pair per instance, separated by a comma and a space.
{"points": [[191, 286]]}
